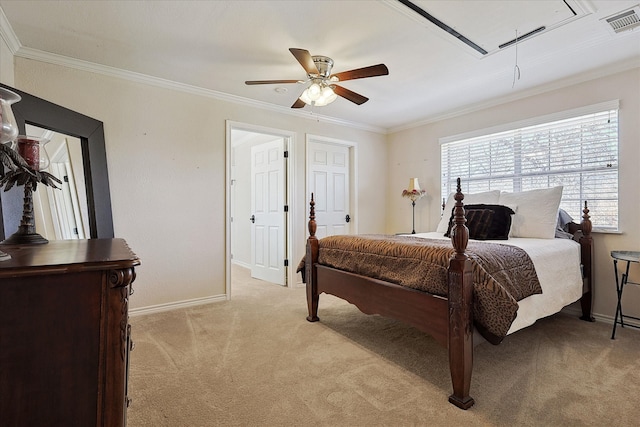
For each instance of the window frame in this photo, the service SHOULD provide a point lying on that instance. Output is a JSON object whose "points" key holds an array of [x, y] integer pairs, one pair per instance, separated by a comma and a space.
{"points": [[490, 135]]}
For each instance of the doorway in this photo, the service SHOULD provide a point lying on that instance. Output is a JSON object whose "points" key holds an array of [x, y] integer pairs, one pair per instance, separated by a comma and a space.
{"points": [[258, 195], [331, 176]]}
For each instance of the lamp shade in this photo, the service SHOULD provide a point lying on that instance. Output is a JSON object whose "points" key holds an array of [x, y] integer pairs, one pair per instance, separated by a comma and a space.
{"points": [[414, 192], [414, 185]]}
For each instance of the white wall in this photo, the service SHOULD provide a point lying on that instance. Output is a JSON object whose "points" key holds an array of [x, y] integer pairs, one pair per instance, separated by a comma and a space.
{"points": [[416, 153], [166, 159]]}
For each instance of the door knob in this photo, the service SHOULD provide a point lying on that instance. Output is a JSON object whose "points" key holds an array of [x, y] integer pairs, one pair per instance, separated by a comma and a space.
{"points": [[253, 218], [347, 218]]}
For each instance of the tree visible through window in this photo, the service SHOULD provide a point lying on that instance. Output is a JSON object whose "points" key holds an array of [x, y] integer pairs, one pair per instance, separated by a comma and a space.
{"points": [[580, 153]]}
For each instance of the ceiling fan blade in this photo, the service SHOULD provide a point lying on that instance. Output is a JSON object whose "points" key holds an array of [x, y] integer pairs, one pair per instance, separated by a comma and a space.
{"points": [[356, 98], [304, 58], [269, 82], [361, 73], [298, 104]]}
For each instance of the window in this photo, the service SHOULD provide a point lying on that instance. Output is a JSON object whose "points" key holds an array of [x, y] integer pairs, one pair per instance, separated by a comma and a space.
{"points": [[576, 149]]}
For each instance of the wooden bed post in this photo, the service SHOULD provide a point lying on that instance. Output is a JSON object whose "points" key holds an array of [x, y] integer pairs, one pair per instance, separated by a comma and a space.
{"points": [[311, 259], [586, 254], [460, 314]]}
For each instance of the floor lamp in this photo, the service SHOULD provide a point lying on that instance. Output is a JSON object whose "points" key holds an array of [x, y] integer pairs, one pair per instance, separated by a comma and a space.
{"points": [[414, 192]]}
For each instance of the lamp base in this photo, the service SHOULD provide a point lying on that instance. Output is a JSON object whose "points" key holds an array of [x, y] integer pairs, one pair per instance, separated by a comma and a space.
{"points": [[19, 238]]}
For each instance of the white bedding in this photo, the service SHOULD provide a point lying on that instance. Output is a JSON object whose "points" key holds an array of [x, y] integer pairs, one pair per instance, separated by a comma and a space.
{"points": [[557, 263]]}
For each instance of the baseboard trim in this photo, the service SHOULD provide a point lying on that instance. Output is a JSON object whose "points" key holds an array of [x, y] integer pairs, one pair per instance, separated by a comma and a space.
{"points": [[574, 311], [241, 264], [175, 305]]}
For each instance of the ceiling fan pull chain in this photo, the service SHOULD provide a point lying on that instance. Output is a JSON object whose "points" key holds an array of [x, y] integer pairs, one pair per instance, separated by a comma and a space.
{"points": [[516, 69]]}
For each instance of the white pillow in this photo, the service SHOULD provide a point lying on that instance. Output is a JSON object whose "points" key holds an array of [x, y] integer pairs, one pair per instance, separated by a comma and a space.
{"points": [[537, 212], [486, 197]]}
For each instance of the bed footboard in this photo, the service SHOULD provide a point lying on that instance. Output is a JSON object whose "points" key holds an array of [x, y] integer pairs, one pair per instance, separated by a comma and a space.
{"points": [[449, 320]]}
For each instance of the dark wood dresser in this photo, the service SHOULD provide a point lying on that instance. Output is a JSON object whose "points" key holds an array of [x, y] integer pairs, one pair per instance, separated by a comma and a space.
{"points": [[64, 333]]}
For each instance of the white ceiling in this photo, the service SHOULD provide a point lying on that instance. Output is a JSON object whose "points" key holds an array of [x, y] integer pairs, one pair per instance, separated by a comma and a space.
{"points": [[217, 45]]}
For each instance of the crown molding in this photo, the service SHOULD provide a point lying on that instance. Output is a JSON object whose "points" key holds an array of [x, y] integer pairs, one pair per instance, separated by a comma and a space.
{"points": [[7, 34], [558, 84], [38, 55], [51, 58]]}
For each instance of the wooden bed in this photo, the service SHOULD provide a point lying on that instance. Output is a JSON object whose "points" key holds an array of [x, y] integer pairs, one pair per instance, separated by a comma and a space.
{"points": [[448, 319]]}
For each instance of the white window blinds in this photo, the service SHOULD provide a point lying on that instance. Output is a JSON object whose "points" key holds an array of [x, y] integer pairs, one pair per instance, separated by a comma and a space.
{"points": [[579, 153]]}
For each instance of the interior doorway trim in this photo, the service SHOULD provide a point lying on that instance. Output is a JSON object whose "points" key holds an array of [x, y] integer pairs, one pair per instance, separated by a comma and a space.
{"points": [[289, 138]]}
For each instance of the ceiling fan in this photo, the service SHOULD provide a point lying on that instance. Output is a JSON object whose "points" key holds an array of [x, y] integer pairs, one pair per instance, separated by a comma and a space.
{"points": [[323, 88]]}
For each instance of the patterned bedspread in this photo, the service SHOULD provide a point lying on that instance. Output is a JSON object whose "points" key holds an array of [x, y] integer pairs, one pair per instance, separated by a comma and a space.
{"points": [[502, 274]]}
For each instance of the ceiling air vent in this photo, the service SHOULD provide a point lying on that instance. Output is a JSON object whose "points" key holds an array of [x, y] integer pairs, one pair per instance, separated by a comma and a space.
{"points": [[624, 21]]}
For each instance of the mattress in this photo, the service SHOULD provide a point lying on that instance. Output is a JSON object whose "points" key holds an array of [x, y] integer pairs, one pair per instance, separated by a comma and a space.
{"points": [[557, 264]]}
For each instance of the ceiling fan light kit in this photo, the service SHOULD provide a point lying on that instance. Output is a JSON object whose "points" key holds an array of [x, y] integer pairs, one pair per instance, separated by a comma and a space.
{"points": [[318, 94], [323, 89]]}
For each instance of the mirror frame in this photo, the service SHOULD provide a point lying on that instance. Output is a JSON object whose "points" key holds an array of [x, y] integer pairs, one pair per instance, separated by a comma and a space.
{"points": [[39, 112]]}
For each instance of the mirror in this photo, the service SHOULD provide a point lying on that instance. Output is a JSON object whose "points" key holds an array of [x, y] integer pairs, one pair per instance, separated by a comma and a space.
{"points": [[61, 214], [89, 134]]}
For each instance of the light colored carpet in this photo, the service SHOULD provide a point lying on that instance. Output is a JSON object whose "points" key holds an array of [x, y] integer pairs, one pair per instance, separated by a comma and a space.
{"points": [[256, 361]]}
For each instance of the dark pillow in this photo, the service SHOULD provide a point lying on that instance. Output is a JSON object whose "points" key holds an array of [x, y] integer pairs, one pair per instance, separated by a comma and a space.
{"points": [[478, 222], [500, 222]]}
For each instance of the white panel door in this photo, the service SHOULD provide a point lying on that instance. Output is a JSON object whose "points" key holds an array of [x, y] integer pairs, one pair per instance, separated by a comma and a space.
{"points": [[268, 227], [328, 180]]}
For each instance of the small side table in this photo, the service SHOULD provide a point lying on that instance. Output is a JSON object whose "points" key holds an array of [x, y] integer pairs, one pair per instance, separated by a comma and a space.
{"points": [[621, 281]]}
